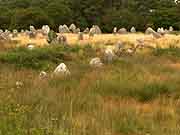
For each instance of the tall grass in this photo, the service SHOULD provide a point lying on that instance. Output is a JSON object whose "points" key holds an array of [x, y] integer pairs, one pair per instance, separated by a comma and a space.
{"points": [[135, 95]]}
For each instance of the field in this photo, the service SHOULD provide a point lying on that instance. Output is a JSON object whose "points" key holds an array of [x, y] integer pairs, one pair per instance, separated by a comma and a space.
{"points": [[102, 39], [134, 95]]}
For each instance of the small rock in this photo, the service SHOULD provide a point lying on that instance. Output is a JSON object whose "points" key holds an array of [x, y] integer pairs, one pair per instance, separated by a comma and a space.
{"points": [[30, 47], [19, 84], [42, 74], [96, 62], [62, 70]]}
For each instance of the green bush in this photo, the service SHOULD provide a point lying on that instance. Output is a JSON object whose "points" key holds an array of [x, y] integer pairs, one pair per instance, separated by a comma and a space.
{"points": [[38, 58]]}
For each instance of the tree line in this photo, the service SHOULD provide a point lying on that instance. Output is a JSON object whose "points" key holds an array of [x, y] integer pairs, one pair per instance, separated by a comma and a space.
{"points": [[19, 14]]}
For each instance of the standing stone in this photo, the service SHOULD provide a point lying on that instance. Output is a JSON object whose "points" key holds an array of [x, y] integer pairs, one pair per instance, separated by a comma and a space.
{"points": [[45, 29], [133, 30], [115, 30], [92, 32], [97, 29], [171, 29], [86, 31], [149, 30], [122, 31], [72, 28], [159, 30], [154, 33], [32, 28], [63, 29]]}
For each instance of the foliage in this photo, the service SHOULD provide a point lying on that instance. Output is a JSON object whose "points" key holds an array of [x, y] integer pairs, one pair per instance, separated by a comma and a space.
{"points": [[84, 13]]}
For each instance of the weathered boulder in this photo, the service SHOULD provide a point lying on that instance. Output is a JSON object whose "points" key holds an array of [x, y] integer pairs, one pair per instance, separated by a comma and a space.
{"points": [[61, 69], [96, 62], [64, 29], [154, 33], [122, 31], [72, 28]]}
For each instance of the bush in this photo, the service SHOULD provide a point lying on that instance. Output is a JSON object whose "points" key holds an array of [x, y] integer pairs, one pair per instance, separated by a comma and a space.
{"points": [[38, 58]]}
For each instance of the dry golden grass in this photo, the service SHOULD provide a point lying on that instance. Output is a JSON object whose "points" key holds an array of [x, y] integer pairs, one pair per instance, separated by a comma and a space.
{"points": [[103, 39]]}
